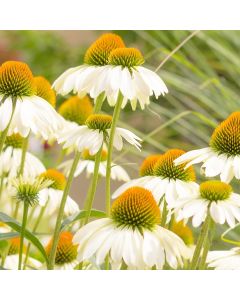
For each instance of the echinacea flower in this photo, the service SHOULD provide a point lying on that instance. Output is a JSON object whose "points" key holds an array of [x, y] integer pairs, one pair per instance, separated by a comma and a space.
{"points": [[66, 253], [91, 136], [224, 260], [109, 67], [11, 260], [214, 196], [27, 189], [222, 157], [10, 159], [87, 164], [44, 90], [52, 195], [18, 99], [163, 178], [76, 109], [131, 235]]}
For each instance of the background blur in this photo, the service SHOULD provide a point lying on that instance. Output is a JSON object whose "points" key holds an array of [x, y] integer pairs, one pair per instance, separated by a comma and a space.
{"points": [[202, 78]]}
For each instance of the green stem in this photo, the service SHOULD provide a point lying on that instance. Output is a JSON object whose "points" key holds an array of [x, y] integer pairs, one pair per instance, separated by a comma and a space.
{"points": [[21, 169], [99, 103], [92, 190], [34, 231], [61, 211], [200, 242], [116, 114], [164, 213], [24, 222], [5, 131], [207, 245]]}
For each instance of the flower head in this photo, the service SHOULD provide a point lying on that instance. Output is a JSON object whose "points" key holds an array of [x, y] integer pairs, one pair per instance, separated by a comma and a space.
{"points": [[66, 253], [44, 90], [148, 165], [110, 68], [131, 235], [76, 109], [98, 53], [212, 196], [163, 178], [166, 168], [136, 208], [126, 57], [27, 189], [15, 141], [183, 231], [14, 246], [16, 80], [222, 157], [99, 122], [57, 178]]}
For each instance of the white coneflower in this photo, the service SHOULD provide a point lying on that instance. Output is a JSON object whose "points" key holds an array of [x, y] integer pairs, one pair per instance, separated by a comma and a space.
{"points": [[66, 254], [214, 196], [222, 157], [87, 164], [131, 235], [224, 260], [52, 195], [163, 178], [91, 136], [10, 159], [109, 67], [20, 103], [12, 258]]}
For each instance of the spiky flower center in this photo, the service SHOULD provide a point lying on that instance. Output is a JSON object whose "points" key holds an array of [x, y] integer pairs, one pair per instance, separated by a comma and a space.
{"points": [[183, 231], [87, 156], [98, 53], [57, 178], [44, 90], [136, 208], [27, 189], [14, 246], [15, 140], [66, 251], [99, 122], [76, 109], [16, 79], [147, 166], [126, 57], [226, 137], [166, 168], [214, 190]]}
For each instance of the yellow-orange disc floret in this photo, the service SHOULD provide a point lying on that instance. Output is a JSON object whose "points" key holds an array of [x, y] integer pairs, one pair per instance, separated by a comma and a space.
{"points": [[98, 53], [59, 180], [136, 208], [14, 246], [214, 190], [226, 137], [87, 156], [147, 166], [166, 168], [126, 57], [76, 109], [66, 251], [16, 80], [183, 231], [100, 122], [44, 90]]}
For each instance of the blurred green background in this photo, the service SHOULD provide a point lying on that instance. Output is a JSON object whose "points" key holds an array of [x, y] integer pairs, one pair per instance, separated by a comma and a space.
{"points": [[202, 77]]}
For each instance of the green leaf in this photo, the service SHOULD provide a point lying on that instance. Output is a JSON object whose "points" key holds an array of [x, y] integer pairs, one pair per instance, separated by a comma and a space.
{"points": [[82, 214], [8, 235], [15, 225]]}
